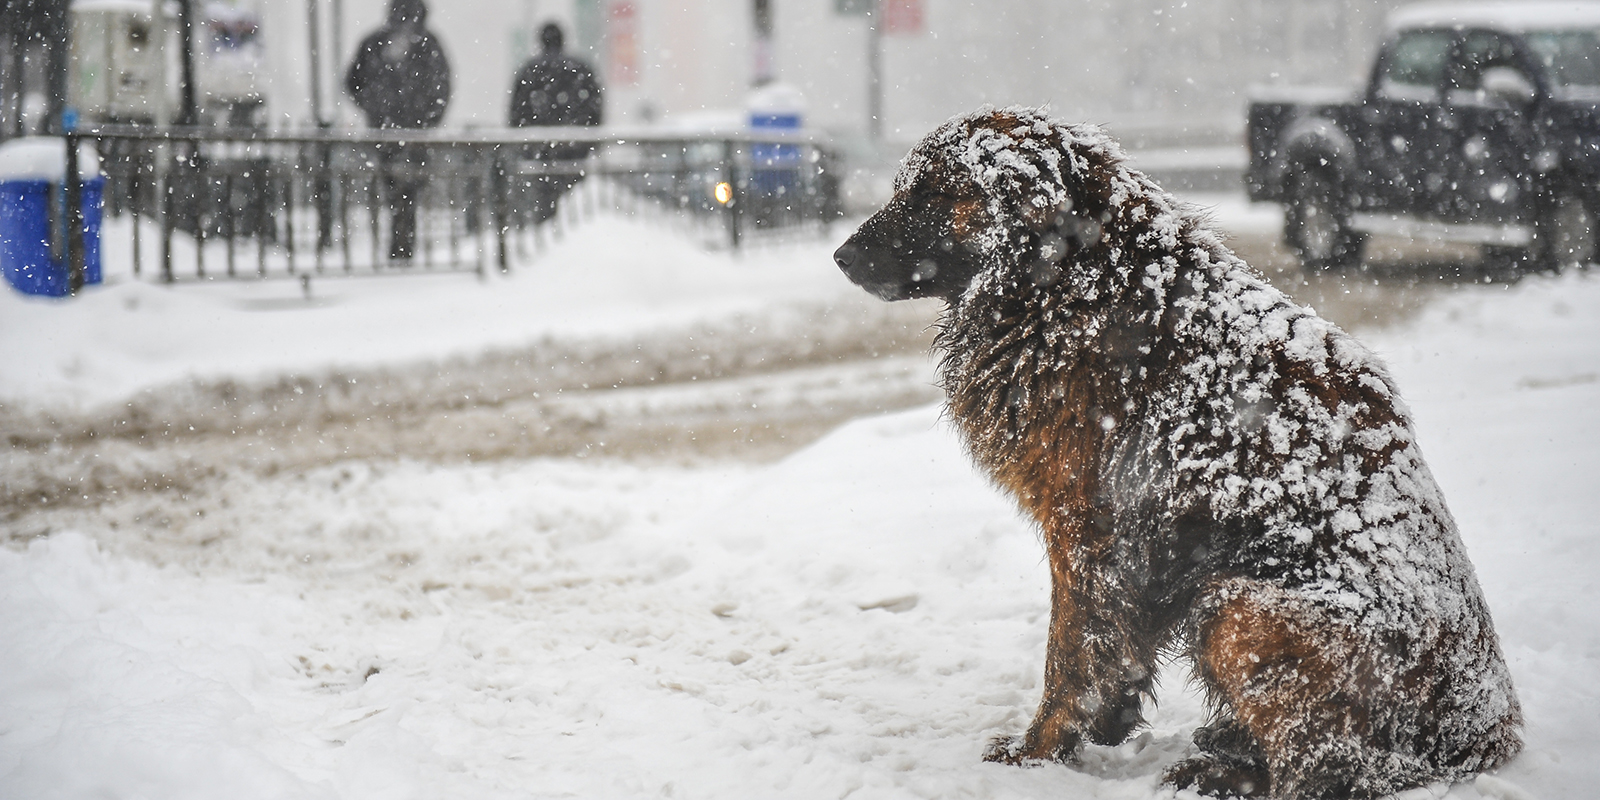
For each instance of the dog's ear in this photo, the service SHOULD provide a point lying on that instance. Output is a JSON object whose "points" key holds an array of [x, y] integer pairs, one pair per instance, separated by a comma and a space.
{"points": [[1060, 232]]}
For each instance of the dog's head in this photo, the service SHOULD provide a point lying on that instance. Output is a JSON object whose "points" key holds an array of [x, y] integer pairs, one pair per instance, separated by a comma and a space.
{"points": [[1008, 191]]}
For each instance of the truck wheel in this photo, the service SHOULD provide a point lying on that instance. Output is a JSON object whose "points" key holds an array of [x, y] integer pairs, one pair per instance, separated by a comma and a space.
{"points": [[1317, 225], [1565, 234]]}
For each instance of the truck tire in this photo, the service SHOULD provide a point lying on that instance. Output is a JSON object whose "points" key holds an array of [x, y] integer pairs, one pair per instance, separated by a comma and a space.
{"points": [[1316, 223], [1565, 234]]}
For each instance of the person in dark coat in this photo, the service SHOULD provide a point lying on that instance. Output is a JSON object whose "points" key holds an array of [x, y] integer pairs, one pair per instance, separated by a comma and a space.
{"points": [[400, 78], [553, 88]]}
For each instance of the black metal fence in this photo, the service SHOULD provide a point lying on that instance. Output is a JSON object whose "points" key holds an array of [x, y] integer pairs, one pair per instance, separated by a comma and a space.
{"points": [[256, 205]]}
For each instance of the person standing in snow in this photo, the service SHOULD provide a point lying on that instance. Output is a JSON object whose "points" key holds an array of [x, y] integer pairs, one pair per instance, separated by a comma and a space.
{"points": [[400, 78], [553, 88]]}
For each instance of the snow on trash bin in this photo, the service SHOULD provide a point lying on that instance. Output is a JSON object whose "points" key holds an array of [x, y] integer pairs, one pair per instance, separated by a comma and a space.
{"points": [[33, 219]]}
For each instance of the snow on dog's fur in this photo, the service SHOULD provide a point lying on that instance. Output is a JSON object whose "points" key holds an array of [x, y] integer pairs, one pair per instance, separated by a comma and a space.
{"points": [[1217, 472]]}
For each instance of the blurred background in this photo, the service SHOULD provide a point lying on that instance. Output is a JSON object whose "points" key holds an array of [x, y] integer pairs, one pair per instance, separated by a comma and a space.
{"points": [[1150, 69]]}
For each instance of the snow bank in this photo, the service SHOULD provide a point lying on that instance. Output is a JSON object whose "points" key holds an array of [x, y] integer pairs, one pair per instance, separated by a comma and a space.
{"points": [[609, 278]]}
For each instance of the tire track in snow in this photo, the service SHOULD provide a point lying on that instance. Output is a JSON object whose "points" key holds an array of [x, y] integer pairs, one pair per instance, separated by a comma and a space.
{"points": [[747, 389]]}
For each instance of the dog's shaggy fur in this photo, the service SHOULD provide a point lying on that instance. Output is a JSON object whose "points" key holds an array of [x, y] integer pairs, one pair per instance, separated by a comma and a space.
{"points": [[1216, 471]]}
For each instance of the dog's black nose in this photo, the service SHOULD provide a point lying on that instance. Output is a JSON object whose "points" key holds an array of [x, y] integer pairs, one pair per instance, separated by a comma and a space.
{"points": [[847, 255]]}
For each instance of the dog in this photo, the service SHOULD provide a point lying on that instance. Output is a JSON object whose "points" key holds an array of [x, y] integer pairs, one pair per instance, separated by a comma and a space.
{"points": [[1216, 472]]}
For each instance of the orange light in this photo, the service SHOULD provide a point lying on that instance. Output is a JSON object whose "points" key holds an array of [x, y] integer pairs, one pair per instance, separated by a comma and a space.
{"points": [[724, 192]]}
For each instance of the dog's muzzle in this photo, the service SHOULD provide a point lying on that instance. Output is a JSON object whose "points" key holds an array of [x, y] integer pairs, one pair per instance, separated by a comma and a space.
{"points": [[858, 265], [846, 256]]}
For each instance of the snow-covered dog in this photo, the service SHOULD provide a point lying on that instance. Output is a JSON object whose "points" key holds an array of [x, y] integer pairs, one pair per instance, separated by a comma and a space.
{"points": [[1216, 472]]}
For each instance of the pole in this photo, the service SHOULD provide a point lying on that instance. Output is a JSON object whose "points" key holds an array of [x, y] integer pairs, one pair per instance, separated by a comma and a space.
{"points": [[189, 171], [189, 114], [323, 185], [74, 198], [875, 71], [336, 50], [735, 205], [14, 89], [54, 33], [500, 211], [163, 109], [315, 31], [764, 72]]}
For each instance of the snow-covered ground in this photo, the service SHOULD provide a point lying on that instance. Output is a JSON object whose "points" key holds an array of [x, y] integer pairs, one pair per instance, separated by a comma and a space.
{"points": [[609, 278], [856, 619]]}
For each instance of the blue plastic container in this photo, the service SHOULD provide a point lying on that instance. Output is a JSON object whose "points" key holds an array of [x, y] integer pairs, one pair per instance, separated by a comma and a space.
{"points": [[33, 252], [776, 166]]}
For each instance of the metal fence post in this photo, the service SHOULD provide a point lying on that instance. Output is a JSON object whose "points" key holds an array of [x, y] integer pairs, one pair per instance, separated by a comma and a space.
{"points": [[730, 171], [324, 197], [167, 155], [74, 217], [498, 187]]}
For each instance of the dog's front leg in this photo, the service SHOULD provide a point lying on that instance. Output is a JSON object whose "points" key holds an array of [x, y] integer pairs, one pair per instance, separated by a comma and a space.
{"points": [[1097, 668]]}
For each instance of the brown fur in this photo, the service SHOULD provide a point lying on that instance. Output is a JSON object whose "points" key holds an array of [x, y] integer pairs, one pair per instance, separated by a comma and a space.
{"points": [[1214, 471]]}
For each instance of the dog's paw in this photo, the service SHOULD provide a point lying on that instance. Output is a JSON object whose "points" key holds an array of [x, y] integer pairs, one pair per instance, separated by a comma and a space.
{"points": [[1005, 749], [1229, 741], [1018, 752], [1215, 778]]}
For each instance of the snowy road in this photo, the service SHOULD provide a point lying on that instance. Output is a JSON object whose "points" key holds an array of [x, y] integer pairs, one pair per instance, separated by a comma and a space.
{"points": [[285, 571], [711, 391]]}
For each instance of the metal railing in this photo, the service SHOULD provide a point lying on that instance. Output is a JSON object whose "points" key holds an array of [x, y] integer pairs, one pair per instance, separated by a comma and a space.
{"points": [[226, 204]]}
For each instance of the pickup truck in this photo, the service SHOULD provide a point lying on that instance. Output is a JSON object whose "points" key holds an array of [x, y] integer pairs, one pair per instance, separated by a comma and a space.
{"points": [[1480, 124]]}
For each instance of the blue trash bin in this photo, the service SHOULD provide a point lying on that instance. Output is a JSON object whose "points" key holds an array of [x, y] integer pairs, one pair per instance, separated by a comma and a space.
{"points": [[775, 107], [33, 252]]}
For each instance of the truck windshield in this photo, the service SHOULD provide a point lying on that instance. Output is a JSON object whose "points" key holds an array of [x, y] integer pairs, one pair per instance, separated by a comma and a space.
{"points": [[1414, 65], [1571, 58]]}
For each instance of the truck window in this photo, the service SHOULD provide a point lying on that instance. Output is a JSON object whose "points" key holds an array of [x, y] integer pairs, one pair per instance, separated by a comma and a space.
{"points": [[1571, 59], [1413, 67], [1480, 51]]}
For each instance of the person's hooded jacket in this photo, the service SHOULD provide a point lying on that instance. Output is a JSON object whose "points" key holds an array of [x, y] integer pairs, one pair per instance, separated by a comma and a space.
{"points": [[554, 88], [400, 77]]}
